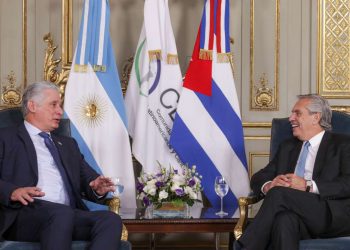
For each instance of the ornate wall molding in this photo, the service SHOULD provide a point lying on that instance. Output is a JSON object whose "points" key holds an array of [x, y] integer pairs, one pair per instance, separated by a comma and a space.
{"points": [[50, 66], [11, 95], [333, 48], [263, 94], [24, 42], [125, 75], [253, 155]]}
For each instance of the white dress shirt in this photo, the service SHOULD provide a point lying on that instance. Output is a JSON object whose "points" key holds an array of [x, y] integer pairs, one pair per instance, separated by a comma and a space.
{"points": [[49, 178], [310, 161]]}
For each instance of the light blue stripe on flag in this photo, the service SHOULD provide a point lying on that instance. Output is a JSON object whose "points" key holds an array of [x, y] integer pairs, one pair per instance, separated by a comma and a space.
{"points": [[111, 83], [89, 32], [95, 30], [88, 156], [79, 43]]}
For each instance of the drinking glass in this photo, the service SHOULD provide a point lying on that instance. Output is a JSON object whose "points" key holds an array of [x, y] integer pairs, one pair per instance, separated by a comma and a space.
{"points": [[221, 189], [118, 185]]}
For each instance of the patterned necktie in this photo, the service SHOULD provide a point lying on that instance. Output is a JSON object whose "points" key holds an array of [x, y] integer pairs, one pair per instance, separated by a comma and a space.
{"points": [[300, 168], [54, 152]]}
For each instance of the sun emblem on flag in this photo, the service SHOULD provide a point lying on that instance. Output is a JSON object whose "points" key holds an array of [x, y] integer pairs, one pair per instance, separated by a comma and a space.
{"points": [[91, 110]]}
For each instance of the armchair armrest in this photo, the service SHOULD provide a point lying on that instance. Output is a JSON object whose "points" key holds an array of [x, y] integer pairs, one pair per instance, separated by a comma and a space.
{"points": [[114, 206], [243, 203]]}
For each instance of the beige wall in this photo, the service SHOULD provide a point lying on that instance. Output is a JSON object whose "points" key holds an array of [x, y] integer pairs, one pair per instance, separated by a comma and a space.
{"points": [[290, 71]]}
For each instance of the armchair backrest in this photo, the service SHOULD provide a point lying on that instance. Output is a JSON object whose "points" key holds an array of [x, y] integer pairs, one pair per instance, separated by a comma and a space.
{"points": [[13, 117], [281, 129]]}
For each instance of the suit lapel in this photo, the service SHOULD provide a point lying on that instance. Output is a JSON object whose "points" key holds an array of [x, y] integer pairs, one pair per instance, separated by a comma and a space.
{"points": [[321, 153], [29, 147]]}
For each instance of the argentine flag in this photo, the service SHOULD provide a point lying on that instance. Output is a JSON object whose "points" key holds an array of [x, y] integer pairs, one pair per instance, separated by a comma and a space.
{"points": [[207, 130], [154, 90], [94, 102]]}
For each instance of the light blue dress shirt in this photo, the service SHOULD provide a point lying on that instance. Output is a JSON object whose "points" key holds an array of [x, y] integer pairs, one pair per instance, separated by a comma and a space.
{"points": [[49, 178]]}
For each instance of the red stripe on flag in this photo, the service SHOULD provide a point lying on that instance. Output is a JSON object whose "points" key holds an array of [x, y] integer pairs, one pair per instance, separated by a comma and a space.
{"points": [[199, 73], [218, 27]]}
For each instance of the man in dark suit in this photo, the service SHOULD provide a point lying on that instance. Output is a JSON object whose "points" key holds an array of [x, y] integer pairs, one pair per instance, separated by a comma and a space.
{"points": [[306, 185], [43, 179]]}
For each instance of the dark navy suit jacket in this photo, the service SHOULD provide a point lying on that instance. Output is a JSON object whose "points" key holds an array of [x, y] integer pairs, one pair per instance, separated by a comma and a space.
{"points": [[18, 168], [331, 175]]}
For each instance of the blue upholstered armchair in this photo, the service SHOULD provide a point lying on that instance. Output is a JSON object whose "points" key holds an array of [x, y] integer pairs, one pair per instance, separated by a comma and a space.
{"points": [[280, 131], [13, 116]]}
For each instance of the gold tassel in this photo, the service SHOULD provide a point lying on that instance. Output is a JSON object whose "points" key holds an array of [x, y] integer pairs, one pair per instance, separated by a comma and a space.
{"points": [[99, 68], [224, 57], [80, 68], [205, 54], [155, 55], [172, 59]]}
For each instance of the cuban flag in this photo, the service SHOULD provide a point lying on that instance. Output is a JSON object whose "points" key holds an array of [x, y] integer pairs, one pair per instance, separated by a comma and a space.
{"points": [[94, 101], [207, 130], [154, 90]]}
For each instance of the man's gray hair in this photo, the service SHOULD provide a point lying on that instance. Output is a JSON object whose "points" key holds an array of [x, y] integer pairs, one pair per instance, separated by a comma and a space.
{"points": [[318, 104], [35, 92]]}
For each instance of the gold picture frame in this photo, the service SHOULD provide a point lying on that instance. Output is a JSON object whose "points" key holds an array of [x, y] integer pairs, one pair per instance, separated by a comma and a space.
{"points": [[333, 53], [67, 34]]}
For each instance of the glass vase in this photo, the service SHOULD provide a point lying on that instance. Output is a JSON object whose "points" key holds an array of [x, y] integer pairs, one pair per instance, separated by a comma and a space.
{"points": [[169, 210]]}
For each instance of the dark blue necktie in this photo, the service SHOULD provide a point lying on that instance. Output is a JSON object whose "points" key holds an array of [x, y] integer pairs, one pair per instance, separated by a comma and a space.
{"points": [[54, 152], [300, 168]]}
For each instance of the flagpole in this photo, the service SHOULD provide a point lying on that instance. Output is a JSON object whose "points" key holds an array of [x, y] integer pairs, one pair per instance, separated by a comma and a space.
{"points": [[232, 41]]}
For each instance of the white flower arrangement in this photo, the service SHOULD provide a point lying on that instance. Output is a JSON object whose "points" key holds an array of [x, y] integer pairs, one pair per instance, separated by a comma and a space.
{"points": [[176, 186]]}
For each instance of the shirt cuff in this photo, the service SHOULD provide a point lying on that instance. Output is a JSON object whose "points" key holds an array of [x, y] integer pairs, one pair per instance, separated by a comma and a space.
{"points": [[314, 188], [262, 188], [97, 195]]}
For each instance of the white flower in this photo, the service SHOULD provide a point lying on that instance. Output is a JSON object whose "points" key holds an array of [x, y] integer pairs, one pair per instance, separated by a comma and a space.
{"points": [[150, 188], [171, 184], [193, 195], [188, 190], [179, 179], [163, 195], [174, 187]]}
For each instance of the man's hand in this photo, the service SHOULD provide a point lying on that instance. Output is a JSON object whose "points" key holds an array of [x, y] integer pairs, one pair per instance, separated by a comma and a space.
{"points": [[279, 180], [26, 194], [102, 185], [296, 182]]}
